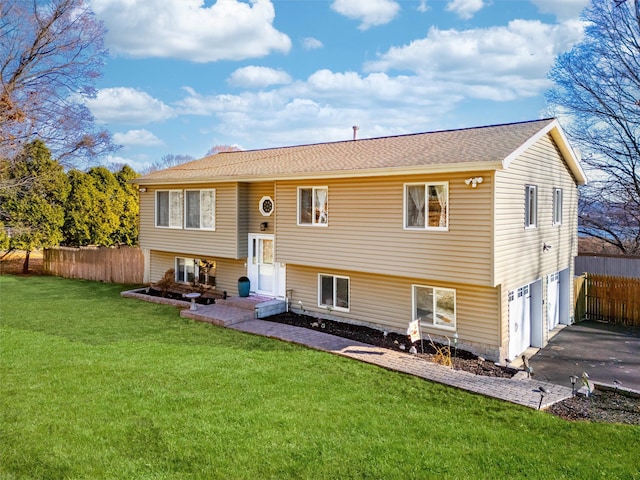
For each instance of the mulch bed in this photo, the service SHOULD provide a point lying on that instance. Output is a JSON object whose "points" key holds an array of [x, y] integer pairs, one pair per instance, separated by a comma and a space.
{"points": [[206, 297], [601, 406], [461, 359]]}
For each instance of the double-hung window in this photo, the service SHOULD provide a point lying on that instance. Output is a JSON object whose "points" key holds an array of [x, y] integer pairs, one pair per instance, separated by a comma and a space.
{"points": [[531, 206], [426, 206], [333, 292], [199, 207], [313, 206], [434, 306], [557, 206], [169, 208]]}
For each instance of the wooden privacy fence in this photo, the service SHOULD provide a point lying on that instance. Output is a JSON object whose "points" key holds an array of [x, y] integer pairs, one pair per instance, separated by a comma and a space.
{"points": [[103, 264], [607, 298], [616, 265]]}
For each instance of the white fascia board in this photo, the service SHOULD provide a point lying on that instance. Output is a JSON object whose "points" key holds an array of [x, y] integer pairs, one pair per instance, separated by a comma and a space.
{"points": [[563, 144], [379, 172]]}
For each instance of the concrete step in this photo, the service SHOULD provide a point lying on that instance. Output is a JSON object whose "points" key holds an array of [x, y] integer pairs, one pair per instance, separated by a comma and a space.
{"points": [[234, 310], [219, 314]]}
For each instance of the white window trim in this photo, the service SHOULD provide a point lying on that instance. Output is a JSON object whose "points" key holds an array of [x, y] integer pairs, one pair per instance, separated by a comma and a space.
{"points": [[426, 211], [528, 223], [261, 206], [196, 270], [313, 199], [557, 206], [432, 325], [320, 300], [184, 215], [156, 210]]}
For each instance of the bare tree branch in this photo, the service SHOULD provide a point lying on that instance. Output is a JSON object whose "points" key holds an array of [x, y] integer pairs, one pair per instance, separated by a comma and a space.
{"points": [[51, 54], [597, 86]]}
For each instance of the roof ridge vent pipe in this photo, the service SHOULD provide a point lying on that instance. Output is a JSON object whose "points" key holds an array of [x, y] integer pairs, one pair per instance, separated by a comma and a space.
{"points": [[355, 131]]}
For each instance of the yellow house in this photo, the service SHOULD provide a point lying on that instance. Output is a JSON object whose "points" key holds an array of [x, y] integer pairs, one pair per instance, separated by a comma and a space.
{"points": [[472, 231]]}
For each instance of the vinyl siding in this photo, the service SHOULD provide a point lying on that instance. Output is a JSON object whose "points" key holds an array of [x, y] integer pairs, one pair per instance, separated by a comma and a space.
{"points": [[227, 270], [385, 302], [365, 230], [222, 242], [243, 220], [519, 256], [255, 191]]}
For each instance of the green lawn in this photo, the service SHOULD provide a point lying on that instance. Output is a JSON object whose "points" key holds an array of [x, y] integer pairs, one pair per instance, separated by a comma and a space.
{"points": [[95, 386]]}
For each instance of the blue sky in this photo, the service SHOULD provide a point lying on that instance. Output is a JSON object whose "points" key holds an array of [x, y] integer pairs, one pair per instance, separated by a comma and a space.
{"points": [[186, 75]]}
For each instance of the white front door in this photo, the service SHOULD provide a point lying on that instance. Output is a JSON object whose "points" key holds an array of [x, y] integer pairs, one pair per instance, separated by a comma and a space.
{"points": [[267, 277], [519, 321], [553, 300]]}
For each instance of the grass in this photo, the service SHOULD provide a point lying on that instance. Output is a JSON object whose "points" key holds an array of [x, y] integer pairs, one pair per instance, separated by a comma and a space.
{"points": [[101, 387]]}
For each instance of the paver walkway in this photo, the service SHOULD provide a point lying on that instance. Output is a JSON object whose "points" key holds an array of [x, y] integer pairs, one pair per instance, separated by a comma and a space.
{"points": [[522, 391]]}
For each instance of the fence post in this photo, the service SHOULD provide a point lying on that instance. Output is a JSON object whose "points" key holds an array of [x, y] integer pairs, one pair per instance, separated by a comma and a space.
{"points": [[580, 296]]}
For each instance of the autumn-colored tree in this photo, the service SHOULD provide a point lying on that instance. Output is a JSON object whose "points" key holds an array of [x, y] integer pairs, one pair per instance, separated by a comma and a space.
{"points": [[51, 54]]}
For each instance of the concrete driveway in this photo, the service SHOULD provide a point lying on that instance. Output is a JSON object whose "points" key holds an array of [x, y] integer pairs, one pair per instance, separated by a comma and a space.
{"points": [[606, 352]]}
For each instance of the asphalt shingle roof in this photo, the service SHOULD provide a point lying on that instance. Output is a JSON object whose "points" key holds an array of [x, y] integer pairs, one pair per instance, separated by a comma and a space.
{"points": [[465, 146]]}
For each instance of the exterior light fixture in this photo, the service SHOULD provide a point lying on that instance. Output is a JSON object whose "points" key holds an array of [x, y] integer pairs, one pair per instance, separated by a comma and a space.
{"points": [[142, 189], [543, 392], [616, 384], [264, 226], [455, 345], [474, 181], [573, 379]]}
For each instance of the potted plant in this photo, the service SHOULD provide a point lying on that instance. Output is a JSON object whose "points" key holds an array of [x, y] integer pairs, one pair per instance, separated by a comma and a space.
{"points": [[244, 285]]}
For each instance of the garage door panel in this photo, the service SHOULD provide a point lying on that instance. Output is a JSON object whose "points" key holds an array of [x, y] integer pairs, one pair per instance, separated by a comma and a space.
{"points": [[519, 320], [553, 300]]}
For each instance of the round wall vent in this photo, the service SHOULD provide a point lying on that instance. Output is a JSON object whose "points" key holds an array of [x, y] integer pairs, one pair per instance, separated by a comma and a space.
{"points": [[266, 206]]}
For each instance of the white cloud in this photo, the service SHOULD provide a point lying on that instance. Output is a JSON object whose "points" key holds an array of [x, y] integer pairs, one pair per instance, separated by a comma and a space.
{"points": [[226, 104], [465, 9], [499, 63], [353, 90], [410, 88], [423, 7], [188, 30], [258, 77], [311, 43], [143, 138], [563, 10], [370, 13], [138, 162], [432, 76], [127, 106], [323, 108]]}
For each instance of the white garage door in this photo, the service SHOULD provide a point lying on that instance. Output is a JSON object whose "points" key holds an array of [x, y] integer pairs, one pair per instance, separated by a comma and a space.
{"points": [[519, 320], [553, 300]]}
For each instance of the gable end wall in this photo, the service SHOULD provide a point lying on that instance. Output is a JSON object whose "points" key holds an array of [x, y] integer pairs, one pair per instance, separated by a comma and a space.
{"points": [[519, 256]]}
